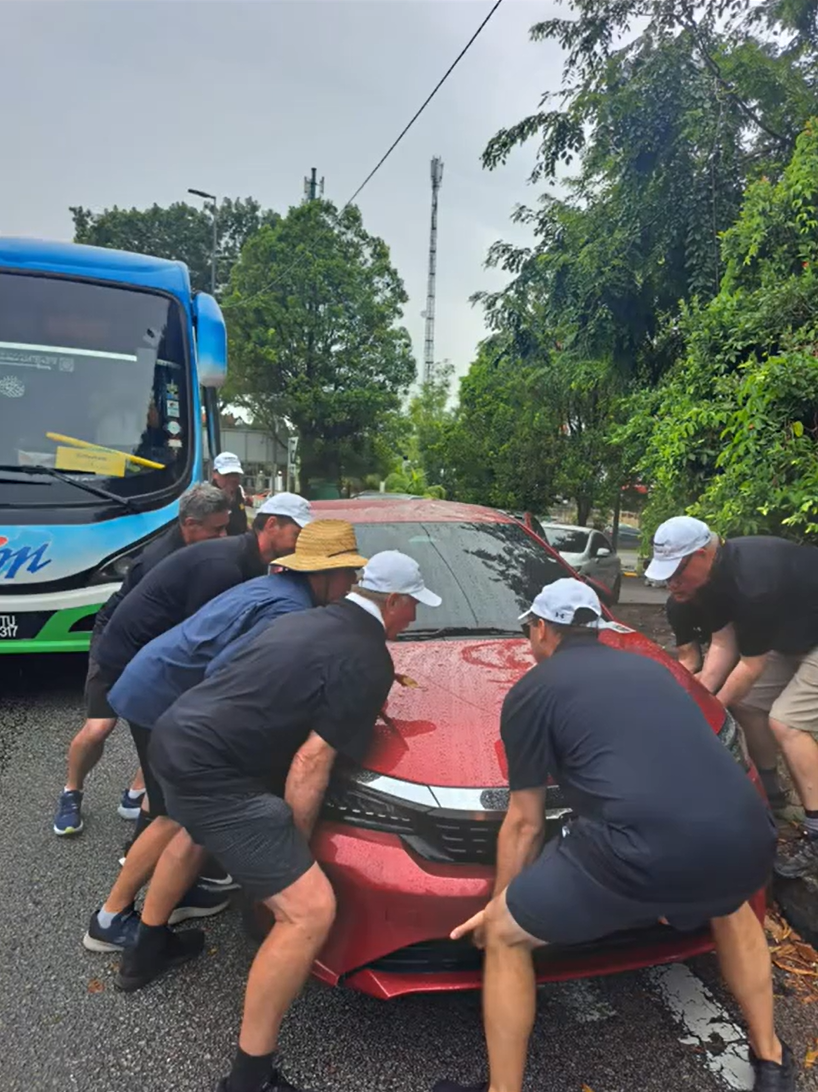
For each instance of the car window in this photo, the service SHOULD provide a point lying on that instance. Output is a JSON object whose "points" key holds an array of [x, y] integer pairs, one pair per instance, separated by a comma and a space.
{"points": [[567, 539], [486, 573]]}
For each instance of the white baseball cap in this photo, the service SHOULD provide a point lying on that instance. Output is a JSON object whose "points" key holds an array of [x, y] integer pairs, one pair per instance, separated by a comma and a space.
{"points": [[559, 602], [227, 463], [394, 573], [676, 539], [287, 504]]}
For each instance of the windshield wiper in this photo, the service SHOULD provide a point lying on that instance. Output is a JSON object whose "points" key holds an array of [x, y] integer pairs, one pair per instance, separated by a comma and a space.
{"points": [[64, 476], [461, 631]]}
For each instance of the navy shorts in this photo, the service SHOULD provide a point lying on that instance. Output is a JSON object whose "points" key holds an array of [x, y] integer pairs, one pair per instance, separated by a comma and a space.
{"points": [[252, 836], [97, 685], [156, 797], [559, 902]]}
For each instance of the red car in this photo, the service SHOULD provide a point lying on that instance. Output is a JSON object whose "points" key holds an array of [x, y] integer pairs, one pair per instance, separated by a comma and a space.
{"points": [[409, 842]]}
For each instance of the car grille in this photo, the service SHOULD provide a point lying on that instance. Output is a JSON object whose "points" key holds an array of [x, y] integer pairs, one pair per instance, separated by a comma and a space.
{"points": [[449, 956]]}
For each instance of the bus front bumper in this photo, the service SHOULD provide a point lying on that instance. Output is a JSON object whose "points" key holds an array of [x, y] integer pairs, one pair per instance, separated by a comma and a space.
{"points": [[52, 621]]}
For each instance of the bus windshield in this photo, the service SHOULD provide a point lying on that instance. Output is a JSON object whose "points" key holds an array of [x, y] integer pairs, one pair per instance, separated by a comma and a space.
{"points": [[94, 383]]}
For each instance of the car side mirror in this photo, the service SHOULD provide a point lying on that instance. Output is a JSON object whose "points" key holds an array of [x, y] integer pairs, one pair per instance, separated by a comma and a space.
{"points": [[604, 593], [603, 551]]}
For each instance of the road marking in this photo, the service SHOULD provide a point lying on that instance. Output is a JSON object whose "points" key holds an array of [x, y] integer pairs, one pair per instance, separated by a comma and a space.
{"points": [[707, 1025]]}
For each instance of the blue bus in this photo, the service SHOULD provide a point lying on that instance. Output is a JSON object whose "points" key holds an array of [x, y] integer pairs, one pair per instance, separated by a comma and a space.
{"points": [[109, 365]]}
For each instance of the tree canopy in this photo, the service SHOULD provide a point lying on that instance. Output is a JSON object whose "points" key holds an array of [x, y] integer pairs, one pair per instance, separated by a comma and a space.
{"points": [[313, 317], [181, 232]]}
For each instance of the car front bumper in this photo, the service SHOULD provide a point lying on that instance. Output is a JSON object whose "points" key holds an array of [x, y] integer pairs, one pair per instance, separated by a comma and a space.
{"points": [[395, 911]]}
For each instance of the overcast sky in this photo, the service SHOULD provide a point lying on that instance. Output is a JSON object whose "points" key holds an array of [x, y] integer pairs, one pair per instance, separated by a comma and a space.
{"points": [[130, 102]]}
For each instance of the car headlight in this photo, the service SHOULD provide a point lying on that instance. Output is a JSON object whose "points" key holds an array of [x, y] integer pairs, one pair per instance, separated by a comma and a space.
{"points": [[115, 569], [732, 737], [359, 806]]}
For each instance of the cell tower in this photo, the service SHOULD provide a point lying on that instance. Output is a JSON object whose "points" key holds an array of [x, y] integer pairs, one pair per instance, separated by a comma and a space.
{"points": [[429, 341]]}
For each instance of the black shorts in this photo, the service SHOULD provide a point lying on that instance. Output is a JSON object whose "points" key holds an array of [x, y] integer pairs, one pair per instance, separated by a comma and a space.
{"points": [[97, 685], [252, 836], [558, 902], [156, 797]]}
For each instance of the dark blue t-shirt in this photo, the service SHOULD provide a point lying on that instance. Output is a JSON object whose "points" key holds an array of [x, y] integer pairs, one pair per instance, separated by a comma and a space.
{"points": [[325, 670], [661, 805], [177, 660]]}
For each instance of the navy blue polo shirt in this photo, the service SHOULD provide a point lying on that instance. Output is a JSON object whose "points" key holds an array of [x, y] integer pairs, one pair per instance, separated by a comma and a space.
{"points": [[661, 805], [176, 588], [176, 660], [326, 670]]}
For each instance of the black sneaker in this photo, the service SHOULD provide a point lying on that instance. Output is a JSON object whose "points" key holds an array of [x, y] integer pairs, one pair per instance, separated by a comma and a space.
{"points": [[771, 1077], [802, 861], [200, 902], [213, 875], [275, 1083], [453, 1086], [146, 961]]}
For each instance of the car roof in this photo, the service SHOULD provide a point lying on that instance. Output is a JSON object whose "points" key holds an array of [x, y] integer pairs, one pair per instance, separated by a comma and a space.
{"points": [[568, 527], [423, 510]]}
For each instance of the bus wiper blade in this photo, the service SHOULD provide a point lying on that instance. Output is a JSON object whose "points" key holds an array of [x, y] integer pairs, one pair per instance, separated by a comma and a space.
{"points": [[64, 476], [461, 631]]}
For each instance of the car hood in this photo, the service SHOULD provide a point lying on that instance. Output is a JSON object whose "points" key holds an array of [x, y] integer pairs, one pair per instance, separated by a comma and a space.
{"points": [[441, 724]]}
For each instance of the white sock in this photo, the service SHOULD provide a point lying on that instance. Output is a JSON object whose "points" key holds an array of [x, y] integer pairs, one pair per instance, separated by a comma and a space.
{"points": [[105, 918]]}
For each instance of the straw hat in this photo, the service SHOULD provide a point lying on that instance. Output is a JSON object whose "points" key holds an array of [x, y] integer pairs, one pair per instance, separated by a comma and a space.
{"points": [[324, 544]]}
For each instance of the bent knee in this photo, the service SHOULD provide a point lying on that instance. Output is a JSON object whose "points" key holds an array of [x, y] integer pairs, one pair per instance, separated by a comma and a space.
{"points": [[502, 930], [94, 730], [309, 903]]}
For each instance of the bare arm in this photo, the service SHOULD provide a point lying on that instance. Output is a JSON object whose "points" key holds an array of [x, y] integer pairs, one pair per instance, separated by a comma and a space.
{"points": [[307, 782], [521, 835], [690, 656], [741, 679], [722, 656]]}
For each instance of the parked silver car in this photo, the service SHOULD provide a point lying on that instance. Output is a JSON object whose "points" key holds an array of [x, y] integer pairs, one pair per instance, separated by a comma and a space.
{"points": [[589, 552]]}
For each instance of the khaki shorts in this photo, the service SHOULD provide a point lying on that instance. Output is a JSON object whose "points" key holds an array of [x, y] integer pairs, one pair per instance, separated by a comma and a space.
{"points": [[788, 690]]}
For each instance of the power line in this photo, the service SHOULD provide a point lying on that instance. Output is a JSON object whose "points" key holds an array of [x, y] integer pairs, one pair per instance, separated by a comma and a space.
{"points": [[392, 146]]}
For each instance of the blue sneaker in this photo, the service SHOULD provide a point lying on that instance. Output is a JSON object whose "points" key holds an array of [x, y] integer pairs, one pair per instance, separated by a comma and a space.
{"points": [[199, 902], [117, 936], [131, 804], [68, 819]]}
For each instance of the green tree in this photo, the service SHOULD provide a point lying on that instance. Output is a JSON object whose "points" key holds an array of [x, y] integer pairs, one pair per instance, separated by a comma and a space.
{"points": [[732, 433], [180, 232], [314, 337]]}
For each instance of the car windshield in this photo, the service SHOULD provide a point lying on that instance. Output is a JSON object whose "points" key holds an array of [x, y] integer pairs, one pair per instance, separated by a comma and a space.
{"points": [[567, 539], [486, 573], [93, 383]]}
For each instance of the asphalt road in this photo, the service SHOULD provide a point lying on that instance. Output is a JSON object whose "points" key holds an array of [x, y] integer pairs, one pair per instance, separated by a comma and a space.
{"points": [[63, 1027]]}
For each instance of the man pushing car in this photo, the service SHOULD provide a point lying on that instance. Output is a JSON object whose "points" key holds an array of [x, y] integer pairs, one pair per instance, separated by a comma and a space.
{"points": [[668, 828]]}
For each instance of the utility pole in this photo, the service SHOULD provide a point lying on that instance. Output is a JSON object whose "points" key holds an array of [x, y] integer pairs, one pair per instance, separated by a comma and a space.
{"points": [[313, 189], [429, 340], [214, 210]]}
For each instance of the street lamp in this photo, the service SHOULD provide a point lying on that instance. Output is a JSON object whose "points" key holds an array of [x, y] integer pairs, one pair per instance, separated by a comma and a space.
{"points": [[215, 210]]}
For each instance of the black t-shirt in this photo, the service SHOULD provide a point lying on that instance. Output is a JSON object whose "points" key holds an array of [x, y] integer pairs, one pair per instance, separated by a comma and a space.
{"points": [[326, 670], [172, 591], [689, 620], [154, 552], [662, 807], [237, 521], [768, 588]]}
